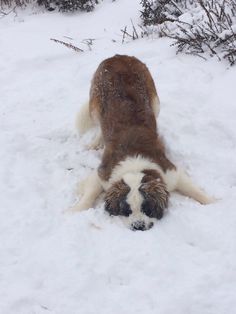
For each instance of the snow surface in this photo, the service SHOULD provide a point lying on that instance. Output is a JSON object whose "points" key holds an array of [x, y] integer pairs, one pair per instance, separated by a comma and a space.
{"points": [[87, 263]]}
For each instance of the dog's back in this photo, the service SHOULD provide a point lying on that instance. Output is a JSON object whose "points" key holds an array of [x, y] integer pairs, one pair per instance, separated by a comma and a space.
{"points": [[123, 97]]}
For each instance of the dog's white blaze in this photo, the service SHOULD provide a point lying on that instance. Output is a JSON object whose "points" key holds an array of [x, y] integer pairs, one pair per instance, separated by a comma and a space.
{"points": [[135, 199]]}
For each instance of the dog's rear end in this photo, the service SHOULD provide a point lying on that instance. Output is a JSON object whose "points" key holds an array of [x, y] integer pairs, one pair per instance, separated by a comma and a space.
{"points": [[123, 91]]}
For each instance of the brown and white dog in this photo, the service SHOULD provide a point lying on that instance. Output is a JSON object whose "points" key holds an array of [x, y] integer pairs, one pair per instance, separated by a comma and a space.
{"points": [[134, 172]]}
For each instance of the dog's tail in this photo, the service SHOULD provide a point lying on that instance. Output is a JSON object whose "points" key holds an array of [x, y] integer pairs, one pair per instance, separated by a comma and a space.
{"points": [[84, 121]]}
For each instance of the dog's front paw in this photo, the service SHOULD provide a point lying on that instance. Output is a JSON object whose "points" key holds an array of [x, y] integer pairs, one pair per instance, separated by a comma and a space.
{"points": [[206, 199], [79, 207]]}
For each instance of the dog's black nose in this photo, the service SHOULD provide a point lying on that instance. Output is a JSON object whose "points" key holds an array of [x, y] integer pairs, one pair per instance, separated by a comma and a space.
{"points": [[140, 225]]}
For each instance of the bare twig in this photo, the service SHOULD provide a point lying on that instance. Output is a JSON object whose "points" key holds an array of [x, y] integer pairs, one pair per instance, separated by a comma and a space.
{"points": [[67, 45], [176, 6], [67, 37], [135, 34], [124, 34], [3, 13], [88, 42]]}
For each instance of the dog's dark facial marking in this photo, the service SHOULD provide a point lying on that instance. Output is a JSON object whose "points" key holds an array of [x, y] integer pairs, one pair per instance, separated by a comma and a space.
{"points": [[154, 193], [152, 210], [115, 199], [124, 208]]}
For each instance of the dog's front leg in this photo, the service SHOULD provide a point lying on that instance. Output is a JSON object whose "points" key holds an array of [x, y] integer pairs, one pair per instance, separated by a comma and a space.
{"points": [[186, 187], [90, 189]]}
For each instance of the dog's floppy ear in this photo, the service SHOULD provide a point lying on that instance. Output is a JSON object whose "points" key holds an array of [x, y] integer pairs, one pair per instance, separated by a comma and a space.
{"points": [[115, 203], [154, 193]]}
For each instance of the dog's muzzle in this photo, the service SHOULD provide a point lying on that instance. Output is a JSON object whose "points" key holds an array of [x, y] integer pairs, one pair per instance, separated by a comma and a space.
{"points": [[141, 225]]}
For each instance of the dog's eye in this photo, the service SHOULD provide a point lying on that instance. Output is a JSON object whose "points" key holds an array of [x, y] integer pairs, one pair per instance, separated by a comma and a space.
{"points": [[151, 209], [124, 208], [147, 208]]}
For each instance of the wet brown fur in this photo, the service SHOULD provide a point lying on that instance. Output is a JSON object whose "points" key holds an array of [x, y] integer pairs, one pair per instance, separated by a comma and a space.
{"points": [[153, 188], [121, 99], [156, 192], [118, 191], [151, 174]]}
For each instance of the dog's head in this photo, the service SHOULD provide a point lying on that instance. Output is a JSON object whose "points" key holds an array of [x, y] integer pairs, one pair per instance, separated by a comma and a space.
{"points": [[139, 198]]}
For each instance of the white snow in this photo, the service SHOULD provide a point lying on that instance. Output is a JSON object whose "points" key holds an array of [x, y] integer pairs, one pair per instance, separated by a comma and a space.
{"points": [[87, 263]]}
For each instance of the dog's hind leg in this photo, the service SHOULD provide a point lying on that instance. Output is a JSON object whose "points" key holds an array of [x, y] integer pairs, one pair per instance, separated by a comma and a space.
{"points": [[186, 187], [90, 189]]}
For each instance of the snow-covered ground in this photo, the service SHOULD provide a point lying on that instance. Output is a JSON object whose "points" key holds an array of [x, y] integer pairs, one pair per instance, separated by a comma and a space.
{"points": [[89, 263]]}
